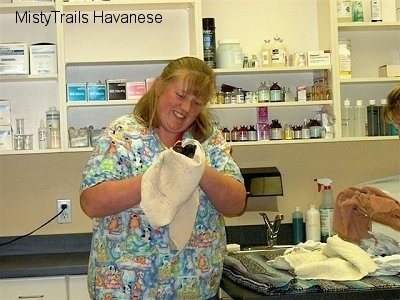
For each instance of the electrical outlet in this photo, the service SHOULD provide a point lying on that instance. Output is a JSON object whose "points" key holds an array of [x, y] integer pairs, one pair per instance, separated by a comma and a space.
{"points": [[66, 216]]}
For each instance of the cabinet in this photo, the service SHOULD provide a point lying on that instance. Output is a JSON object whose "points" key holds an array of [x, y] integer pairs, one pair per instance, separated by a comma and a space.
{"points": [[77, 287], [135, 39], [34, 288]]}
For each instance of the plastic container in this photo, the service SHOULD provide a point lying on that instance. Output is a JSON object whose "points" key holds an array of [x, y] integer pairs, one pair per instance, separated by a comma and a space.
{"points": [[42, 136], [360, 118], [344, 59], [326, 209], [344, 11], [278, 53], [384, 127], [266, 54], [298, 226], [209, 47], [313, 225], [347, 119], [229, 54], [53, 128], [373, 118]]}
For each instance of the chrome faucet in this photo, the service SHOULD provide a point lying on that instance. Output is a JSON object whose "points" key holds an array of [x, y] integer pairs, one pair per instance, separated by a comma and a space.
{"points": [[272, 228]]}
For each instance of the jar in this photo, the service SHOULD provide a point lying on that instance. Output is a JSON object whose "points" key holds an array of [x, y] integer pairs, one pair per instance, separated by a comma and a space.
{"points": [[275, 130], [229, 54]]}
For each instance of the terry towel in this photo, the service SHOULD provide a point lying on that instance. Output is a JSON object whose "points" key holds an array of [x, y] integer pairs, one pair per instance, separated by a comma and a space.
{"points": [[170, 192]]}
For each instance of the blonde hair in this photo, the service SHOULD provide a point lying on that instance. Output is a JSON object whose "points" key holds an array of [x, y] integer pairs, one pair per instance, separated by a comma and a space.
{"points": [[199, 80], [391, 112]]}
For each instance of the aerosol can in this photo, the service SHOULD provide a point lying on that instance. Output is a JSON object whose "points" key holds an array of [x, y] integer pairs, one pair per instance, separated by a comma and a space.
{"points": [[326, 209]]}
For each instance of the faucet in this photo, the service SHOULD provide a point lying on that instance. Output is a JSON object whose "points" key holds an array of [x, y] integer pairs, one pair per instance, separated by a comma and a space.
{"points": [[272, 228]]}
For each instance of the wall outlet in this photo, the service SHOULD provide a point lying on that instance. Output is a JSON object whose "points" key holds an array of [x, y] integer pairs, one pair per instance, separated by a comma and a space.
{"points": [[66, 215]]}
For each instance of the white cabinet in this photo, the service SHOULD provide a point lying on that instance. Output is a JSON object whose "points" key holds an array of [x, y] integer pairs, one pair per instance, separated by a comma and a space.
{"points": [[42, 288], [77, 287]]}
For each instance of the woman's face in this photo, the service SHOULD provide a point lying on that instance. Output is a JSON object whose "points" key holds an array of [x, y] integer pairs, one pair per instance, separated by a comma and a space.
{"points": [[176, 109]]}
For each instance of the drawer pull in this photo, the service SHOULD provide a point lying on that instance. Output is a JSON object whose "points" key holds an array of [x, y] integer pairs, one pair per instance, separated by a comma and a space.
{"points": [[31, 297]]}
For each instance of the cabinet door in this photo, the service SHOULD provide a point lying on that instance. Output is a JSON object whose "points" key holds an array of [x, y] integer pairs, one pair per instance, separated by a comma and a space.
{"points": [[42, 288], [77, 287]]}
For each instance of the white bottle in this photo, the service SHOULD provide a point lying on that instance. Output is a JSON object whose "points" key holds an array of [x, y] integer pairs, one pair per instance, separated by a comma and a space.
{"points": [[313, 225], [278, 53], [53, 128], [266, 54], [376, 11], [42, 135], [344, 11], [344, 59], [360, 119], [347, 119]]}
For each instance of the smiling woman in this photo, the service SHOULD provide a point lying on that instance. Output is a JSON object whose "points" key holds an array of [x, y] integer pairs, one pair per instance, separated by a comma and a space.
{"points": [[391, 111]]}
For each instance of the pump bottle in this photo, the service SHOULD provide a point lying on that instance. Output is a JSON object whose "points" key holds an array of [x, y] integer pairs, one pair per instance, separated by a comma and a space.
{"points": [[298, 226], [313, 224], [326, 209]]}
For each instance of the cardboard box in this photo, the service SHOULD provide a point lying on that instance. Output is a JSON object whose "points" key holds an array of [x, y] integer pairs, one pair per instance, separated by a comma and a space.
{"points": [[76, 92], [5, 112], [5, 138], [318, 58], [301, 93], [116, 89], [14, 58], [135, 89], [389, 71], [96, 92], [43, 59]]}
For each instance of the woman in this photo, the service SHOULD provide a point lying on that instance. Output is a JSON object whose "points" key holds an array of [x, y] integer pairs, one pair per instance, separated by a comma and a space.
{"points": [[391, 111], [129, 258]]}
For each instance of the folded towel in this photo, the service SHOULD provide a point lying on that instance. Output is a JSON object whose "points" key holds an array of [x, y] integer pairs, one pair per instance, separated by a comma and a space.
{"points": [[170, 193], [337, 260], [388, 265], [356, 207]]}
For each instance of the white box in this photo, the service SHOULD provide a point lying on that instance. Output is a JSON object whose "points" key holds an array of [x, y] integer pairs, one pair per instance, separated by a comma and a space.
{"points": [[14, 58], [318, 58], [43, 59], [389, 71], [5, 138], [5, 112]]}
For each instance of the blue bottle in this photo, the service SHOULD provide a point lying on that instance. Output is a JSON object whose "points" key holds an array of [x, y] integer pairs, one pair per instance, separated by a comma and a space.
{"points": [[298, 226]]}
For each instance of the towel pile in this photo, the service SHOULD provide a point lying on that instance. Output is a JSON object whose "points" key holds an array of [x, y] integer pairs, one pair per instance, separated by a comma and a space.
{"points": [[170, 194]]}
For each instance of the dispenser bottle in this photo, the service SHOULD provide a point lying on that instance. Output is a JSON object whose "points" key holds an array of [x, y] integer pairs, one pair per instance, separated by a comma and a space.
{"points": [[42, 135], [384, 127], [326, 209], [313, 225], [360, 119], [347, 119], [298, 226], [373, 118], [266, 54], [278, 53]]}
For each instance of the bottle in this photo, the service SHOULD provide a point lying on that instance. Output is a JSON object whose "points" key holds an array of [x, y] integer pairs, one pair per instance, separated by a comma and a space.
{"points": [[53, 128], [298, 226], [252, 133], [263, 92], [315, 129], [376, 11], [326, 209], [275, 92], [313, 224], [278, 53], [235, 134], [360, 118], [344, 11], [239, 96], [266, 54], [243, 133], [373, 118], [384, 127], [209, 48], [275, 130], [305, 130], [358, 11], [347, 119], [42, 135], [227, 134], [344, 59]]}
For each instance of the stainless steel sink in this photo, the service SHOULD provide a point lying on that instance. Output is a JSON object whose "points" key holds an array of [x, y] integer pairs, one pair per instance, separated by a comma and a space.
{"points": [[268, 252]]}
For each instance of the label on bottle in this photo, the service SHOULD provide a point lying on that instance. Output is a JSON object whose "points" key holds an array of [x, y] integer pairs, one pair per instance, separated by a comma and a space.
{"points": [[326, 215]]}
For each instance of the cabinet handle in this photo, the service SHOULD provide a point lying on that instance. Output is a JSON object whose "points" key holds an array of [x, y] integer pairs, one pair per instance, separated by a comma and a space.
{"points": [[31, 297]]}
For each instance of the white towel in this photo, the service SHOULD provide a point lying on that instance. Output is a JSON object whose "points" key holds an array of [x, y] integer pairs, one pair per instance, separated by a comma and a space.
{"points": [[337, 260], [170, 193]]}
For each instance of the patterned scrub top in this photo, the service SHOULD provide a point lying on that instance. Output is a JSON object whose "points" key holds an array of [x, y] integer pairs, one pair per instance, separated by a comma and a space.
{"points": [[131, 260]]}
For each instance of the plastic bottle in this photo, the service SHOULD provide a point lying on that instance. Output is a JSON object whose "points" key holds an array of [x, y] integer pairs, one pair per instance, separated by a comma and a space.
{"points": [[376, 11], [298, 226], [347, 119], [344, 59], [266, 54], [344, 11], [275, 92], [263, 92], [313, 224], [326, 209], [373, 118], [42, 135], [209, 48], [278, 53], [384, 127], [358, 11], [360, 118]]}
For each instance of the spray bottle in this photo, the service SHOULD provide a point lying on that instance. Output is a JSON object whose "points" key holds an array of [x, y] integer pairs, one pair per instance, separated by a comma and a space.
{"points": [[326, 209]]}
